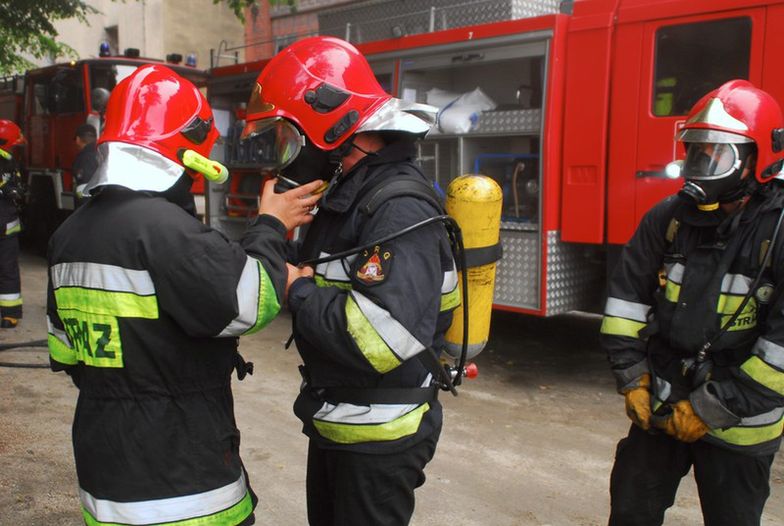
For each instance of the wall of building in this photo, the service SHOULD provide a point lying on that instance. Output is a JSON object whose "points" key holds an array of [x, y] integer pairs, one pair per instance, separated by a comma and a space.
{"points": [[155, 27]]}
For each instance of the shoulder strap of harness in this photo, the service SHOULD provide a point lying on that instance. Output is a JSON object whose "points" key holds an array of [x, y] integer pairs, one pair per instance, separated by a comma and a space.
{"points": [[408, 181]]}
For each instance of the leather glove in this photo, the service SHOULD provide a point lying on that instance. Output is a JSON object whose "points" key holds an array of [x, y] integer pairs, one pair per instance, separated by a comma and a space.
{"points": [[638, 403], [684, 424]]}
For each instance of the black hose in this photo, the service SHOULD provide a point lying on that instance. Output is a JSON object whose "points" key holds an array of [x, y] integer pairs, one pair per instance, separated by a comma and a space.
{"points": [[28, 345]]}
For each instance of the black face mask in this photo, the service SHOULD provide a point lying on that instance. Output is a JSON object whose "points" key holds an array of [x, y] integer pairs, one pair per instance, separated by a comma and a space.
{"points": [[725, 189], [311, 164]]}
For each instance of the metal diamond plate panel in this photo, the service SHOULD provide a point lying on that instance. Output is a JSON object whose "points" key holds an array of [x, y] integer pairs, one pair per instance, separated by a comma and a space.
{"points": [[513, 121], [574, 278], [381, 19], [517, 280]]}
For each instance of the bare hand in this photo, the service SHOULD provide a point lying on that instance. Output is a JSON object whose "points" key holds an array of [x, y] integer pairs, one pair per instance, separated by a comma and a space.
{"points": [[292, 208], [294, 273]]}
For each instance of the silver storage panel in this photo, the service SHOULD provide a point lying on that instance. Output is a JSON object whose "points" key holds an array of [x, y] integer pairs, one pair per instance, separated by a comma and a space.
{"points": [[517, 278], [382, 19], [574, 277]]}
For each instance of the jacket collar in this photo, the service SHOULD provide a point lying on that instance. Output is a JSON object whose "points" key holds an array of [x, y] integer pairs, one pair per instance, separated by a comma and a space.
{"points": [[343, 192]]}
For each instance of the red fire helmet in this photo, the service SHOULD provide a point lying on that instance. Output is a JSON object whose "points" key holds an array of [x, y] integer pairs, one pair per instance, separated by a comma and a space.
{"points": [[737, 112], [325, 86], [10, 135], [157, 109]]}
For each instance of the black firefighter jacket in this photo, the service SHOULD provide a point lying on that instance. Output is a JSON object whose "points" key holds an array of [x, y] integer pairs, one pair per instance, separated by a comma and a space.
{"points": [[10, 193], [678, 282], [364, 319], [145, 304]]}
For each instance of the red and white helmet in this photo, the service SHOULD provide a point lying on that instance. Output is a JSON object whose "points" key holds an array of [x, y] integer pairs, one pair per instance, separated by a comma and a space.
{"points": [[158, 123], [10, 136], [738, 113], [324, 87]]}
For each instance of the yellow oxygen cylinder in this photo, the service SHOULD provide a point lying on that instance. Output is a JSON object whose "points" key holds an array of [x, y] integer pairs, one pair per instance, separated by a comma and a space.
{"points": [[474, 201]]}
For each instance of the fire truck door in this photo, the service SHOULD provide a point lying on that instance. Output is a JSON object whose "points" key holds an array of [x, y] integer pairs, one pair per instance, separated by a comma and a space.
{"points": [[678, 61]]}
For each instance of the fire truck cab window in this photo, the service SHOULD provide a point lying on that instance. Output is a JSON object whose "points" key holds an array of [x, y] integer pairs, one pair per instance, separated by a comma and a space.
{"points": [[693, 59], [66, 93], [109, 75]]}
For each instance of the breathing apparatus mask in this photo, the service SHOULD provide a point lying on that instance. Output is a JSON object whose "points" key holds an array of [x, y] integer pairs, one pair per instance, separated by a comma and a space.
{"points": [[713, 172], [278, 143]]}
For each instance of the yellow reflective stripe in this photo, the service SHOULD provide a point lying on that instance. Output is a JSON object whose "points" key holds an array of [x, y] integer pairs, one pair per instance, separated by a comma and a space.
{"points": [[120, 304], [749, 436], [4, 154], [764, 374], [14, 229], [671, 291], [450, 300], [621, 327], [11, 303], [727, 306], [269, 307], [60, 352], [375, 349], [405, 425], [228, 517], [321, 281]]}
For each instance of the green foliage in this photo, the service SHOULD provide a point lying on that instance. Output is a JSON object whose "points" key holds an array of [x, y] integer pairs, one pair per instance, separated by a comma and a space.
{"points": [[26, 26]]}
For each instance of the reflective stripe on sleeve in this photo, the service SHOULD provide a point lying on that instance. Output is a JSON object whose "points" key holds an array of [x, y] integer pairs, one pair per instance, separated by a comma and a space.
{"points": [[769, 352], [13, 227], [227, 506], [764, 374], [11, 300], [630, 310], [450, 292], [749, 436], [621, 327], [60, 348], [256, 299], [381, 338]]}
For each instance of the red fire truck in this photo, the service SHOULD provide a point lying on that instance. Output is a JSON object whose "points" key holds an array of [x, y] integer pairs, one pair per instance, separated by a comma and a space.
{"points": [[49, 103], [572, 108]]}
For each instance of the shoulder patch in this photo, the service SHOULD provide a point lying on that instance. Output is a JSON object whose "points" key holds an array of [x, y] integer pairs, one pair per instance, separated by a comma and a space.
{"points": [[376, 265]]}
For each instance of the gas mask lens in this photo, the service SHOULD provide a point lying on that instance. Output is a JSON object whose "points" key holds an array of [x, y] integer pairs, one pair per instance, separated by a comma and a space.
{"points": [[708, 161], [274, 141]]}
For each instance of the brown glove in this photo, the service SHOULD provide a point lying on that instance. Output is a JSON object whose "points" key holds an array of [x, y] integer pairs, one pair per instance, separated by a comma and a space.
{"points": [[684, 424], [638, 403]]}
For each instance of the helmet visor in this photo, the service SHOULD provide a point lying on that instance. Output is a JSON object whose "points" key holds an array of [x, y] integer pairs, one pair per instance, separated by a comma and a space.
{"points": [[274, 141], [709, 161]]}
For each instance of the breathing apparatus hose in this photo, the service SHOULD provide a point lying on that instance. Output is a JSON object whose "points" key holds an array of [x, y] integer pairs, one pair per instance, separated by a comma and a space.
{"points": [[456, 241], [28, 345]]}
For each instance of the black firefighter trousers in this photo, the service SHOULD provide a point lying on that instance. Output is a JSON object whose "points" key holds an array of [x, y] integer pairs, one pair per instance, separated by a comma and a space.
{"points": [[10, 285], [351, 489], [648, 467]]}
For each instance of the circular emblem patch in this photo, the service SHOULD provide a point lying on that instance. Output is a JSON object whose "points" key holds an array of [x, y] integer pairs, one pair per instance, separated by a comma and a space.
{"points": [[764, 293]]}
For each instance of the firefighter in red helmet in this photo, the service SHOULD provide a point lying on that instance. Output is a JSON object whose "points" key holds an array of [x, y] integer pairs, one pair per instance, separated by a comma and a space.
{"points": [[694, 321], [145, 304], [10, 198], [363, 324]]}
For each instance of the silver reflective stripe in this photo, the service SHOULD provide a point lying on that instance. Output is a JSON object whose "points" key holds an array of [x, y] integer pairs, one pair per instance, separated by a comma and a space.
{"points": [[769, 352], [771, 417], [335, 270], [627, 309], [10, 297], [344, 413], [663, 389], [165, 510], [247, 300], [104, 277], [450, 280], [735, 284], [675, 273], [402, 342], [57, 333]]}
